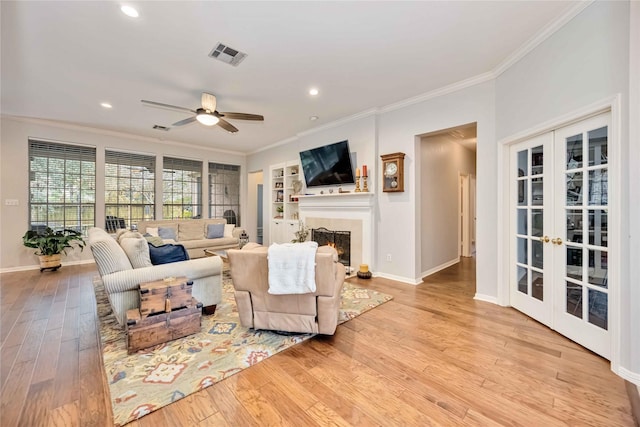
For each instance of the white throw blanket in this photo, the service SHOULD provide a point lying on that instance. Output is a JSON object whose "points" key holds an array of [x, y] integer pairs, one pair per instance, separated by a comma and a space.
{"points": [[292, 268]]}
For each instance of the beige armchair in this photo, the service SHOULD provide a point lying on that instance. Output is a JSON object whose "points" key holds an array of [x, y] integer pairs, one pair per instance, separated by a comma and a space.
{"points": [[309, 313]]}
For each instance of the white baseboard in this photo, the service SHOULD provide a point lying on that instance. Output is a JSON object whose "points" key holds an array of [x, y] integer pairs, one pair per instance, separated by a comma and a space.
{"points": [[633, 377], [440, 267], [402, 279], [37, 266], [486, 298]]}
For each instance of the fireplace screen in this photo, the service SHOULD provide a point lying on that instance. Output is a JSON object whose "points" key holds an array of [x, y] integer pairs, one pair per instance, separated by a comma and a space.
{"points": [[341, 240]]}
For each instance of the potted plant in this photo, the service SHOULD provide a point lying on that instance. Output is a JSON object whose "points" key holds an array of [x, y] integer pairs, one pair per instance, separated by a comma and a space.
{"points": [[51, 245], [301, 234]]}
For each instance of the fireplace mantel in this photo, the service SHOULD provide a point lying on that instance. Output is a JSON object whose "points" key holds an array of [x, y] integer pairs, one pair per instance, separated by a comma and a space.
{"points": [[336, 200]]}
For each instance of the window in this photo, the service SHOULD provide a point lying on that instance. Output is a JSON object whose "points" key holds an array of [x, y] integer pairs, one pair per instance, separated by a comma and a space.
{"points": [[129, 182], [224, 192], [181, 188], [62, 186]]}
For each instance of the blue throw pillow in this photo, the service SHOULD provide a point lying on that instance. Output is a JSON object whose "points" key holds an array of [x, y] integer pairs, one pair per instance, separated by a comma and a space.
{"points": [[215, 231], [167, 233], [167, 253]]}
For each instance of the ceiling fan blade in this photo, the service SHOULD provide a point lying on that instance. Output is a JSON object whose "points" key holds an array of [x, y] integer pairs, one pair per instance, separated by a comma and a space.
{"points": [[184, 122], [161, 105], [208, 101], [227, 126], [242, 116]]}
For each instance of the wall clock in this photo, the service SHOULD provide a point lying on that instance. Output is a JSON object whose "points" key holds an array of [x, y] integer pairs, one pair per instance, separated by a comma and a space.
{"points": [[392, 172]]}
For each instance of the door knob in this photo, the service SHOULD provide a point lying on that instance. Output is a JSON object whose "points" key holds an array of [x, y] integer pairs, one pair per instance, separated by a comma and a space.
{"points": [[544, 239], [556, 241]]}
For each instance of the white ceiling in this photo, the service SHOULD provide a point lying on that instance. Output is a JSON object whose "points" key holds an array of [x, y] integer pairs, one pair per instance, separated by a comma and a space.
{"points": [[60, 60]]}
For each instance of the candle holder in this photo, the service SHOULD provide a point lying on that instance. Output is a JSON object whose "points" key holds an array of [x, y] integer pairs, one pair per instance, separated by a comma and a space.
{"points": [[357, 190], [364, 272], [365, 189]]}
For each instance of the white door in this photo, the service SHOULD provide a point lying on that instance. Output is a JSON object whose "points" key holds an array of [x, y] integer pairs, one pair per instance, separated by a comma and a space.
{"points": [[531, 225], [559, 257], [581, 249]]}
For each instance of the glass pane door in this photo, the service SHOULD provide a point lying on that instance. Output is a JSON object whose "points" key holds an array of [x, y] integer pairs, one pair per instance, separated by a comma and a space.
{"points": [[531, 176], [581, 242]]}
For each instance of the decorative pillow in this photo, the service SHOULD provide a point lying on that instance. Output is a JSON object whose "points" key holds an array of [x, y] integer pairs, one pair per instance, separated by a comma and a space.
{"points": [[137, 251], [153, 231], [167, 233], [126, 234], [190, 230], [167, 253], [109, 256], [154, 240], [120, 232], [228, 230], [215, 231]]}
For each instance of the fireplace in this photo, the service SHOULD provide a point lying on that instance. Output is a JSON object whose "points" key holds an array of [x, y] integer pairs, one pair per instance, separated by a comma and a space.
{"points": [[350, 211], [341, 240]]}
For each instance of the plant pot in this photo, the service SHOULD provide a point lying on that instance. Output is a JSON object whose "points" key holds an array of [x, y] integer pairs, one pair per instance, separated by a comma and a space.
{"points": [[50, 261]]}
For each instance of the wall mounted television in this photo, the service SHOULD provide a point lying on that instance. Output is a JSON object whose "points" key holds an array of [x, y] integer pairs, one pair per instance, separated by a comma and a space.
{"points": [[327, 165]]}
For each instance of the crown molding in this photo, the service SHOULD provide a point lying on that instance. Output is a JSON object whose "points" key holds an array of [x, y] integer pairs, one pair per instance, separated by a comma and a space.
{"points": [[274, 145], [114, 133], [333, 124], [541, 36], [454, 87]]}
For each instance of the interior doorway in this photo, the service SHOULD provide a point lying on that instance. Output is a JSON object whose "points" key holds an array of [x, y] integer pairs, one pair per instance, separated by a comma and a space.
{"points": [[447, 162]]}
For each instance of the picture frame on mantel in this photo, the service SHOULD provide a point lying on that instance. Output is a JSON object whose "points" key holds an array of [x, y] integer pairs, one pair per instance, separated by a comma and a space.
{"points": [[393, 172]]}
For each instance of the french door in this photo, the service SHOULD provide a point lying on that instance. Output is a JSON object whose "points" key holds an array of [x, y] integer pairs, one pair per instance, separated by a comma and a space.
{"points": [[558, 227]]}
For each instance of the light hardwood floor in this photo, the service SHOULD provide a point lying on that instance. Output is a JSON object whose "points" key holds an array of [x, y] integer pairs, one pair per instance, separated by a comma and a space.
{"points": [[432, 356]]}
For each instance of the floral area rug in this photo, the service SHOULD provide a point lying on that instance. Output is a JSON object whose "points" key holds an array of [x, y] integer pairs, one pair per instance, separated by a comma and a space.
{"points": [[150, 379]]}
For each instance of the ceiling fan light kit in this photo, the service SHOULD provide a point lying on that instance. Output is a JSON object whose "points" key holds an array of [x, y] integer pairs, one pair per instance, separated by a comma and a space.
{"points": [[206, 118]]}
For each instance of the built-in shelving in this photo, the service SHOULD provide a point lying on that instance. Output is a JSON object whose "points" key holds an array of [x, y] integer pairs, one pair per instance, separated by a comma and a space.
{"points": [[287, 184]]}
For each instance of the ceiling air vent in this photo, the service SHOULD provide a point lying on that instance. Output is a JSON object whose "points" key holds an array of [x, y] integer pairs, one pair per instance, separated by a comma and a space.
{"points": [[158, 127], [227, 54]]}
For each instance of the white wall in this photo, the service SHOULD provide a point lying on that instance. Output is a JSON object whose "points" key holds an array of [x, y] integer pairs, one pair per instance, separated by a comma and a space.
{"points": [[14, 177], [584, 62], [443, 160]]}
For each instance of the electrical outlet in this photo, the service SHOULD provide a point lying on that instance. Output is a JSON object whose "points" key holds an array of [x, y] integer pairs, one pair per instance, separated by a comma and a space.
{"points": [[388, 257], [11, 202]]}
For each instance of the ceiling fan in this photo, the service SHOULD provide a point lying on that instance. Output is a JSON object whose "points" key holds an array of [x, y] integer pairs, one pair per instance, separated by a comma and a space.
{"points": [[207, 114]]}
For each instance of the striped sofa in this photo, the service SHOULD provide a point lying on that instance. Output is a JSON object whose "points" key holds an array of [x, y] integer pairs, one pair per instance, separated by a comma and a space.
{"points": [[125, 263]]}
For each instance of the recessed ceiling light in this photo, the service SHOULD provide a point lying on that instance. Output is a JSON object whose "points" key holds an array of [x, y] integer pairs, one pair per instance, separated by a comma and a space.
{"points": [[106, 105], [313, 91], [129, 11], [313, 118]]}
